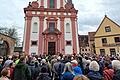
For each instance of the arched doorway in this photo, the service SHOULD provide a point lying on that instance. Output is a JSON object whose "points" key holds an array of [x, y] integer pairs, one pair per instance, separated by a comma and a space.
{"points": [[4, 48]]}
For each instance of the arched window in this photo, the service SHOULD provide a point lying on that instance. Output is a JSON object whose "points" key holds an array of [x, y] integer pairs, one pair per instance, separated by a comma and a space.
{"points": [[52, 4], [35, 27], [67, 28]]}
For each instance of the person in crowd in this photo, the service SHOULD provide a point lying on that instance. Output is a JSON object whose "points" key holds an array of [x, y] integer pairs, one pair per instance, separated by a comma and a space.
{"points": [[94, 71], [31, 66], [45, 64], [77, 70], [1, 66], [116, 67], [80, 62], [80, 77], [44, 75], [10, 67], [36, 70], [68, 73], [108, 72], [4, 74], [58, 68], [22, 71]]}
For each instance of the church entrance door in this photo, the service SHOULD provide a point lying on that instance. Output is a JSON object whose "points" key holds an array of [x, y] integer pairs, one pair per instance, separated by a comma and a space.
{"points": [[51, 48]]}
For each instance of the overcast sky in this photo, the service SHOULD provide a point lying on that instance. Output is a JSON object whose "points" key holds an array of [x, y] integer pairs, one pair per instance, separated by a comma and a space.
{"points": [[90, 13]]}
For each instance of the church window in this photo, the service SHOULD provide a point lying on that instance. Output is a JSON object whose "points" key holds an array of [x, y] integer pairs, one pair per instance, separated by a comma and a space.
{"points": [[52, 26], [52, 4], [35, 28], [68, 43], [67, 28], [33, 43]]}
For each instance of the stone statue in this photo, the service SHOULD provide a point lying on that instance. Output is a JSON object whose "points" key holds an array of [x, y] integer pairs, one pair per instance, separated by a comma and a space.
{"points": [[69, 4], [69, 1]]}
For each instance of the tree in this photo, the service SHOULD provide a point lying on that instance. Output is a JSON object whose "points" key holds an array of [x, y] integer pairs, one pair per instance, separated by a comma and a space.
{"points": [[12, 32]]}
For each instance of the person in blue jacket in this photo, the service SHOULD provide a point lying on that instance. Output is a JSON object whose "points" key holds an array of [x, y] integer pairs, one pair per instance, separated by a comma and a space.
{"points": [[68, 73]]}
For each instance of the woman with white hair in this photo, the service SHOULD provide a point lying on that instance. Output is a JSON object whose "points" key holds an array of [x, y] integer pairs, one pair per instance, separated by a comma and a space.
{"points": [[68, 73], [94, 71], [116, 67]]}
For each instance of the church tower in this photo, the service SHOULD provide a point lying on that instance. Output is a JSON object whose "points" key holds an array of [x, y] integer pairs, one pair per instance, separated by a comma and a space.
{"points": [[50, 28]]}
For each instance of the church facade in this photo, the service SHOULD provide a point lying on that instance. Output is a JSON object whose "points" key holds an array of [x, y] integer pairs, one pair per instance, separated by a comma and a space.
{"points": [[51, 28]]}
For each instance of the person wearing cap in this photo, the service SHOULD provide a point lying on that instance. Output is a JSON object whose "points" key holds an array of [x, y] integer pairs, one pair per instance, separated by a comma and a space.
{"points": [[77, 70], [10, 67]]}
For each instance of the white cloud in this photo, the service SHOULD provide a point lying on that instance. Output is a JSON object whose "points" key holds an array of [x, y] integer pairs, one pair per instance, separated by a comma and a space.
{"points": [[90, 13]]}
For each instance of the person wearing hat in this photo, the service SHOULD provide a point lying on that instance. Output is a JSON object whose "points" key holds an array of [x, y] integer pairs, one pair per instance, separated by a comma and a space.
{"points": [[77, 70], [10, 67]]}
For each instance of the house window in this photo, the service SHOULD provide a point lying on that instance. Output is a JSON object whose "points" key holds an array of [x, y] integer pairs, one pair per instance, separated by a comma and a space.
{"points": [[33, 43], [107, 29], [117, 39], [52, 4], [85, 49], [68, 42], [52, 26], [104, 40], [102, 52], [35, 28], [67, 28], [112, 51]]}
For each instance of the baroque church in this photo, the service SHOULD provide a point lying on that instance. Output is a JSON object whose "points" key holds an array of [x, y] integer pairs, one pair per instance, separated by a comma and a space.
{"points": [[50, 28]]}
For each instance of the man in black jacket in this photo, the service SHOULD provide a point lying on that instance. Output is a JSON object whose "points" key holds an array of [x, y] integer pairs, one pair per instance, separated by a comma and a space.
{"points": [[22, 71]]}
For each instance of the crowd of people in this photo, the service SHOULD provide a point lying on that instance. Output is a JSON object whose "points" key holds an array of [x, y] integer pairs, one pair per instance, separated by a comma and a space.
{"points": [[60, 67]]}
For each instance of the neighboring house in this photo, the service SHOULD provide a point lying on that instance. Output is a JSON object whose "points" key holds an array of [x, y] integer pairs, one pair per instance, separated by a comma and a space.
{"points": [[83, 44], [18, 49], [50, 28], [107, 38], [91, 42], [7, 44]]}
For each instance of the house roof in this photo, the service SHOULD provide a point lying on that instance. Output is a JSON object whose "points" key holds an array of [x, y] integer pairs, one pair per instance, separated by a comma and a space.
{"points": [[104, 20]]}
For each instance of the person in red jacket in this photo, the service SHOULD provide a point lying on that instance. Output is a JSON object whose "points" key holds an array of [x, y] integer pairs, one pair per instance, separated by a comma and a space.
{"points": [[108, 72]]}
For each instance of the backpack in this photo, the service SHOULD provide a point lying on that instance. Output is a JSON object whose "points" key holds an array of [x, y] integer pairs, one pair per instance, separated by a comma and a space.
{"points": [[44, 77]]}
